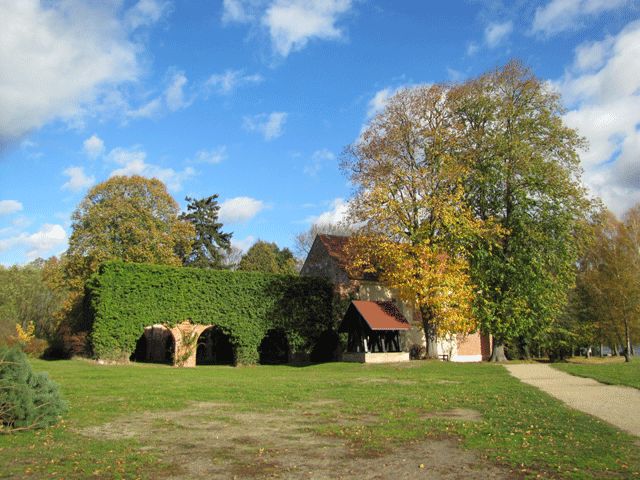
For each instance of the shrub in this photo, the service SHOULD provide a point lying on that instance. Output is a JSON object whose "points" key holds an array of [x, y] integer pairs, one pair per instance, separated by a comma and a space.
{"points": [[27, 399]]}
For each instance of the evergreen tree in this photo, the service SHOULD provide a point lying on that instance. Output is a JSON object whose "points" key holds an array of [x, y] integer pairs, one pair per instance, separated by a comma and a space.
{"points": [[211, 243]]}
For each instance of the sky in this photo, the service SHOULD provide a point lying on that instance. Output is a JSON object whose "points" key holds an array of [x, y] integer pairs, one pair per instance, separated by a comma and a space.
{"points": [[254, 100]]}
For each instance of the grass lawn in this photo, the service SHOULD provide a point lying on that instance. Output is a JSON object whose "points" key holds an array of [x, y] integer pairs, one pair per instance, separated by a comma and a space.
{"points": [[324, 421], [612, 371]]}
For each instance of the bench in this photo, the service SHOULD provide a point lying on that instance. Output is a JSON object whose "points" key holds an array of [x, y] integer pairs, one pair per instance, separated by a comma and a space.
{"points": [[444, 357]]}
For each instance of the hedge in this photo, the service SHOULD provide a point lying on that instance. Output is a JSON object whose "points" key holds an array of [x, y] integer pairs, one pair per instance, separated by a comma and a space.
{"points": [[124, 298]]}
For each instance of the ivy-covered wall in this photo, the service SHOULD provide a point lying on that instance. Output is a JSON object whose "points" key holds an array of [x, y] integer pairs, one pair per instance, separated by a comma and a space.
{"points": [[126, 297]]}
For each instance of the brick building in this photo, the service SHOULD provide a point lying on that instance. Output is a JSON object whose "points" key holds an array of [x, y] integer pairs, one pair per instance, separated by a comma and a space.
{"points": [[328, 259]]}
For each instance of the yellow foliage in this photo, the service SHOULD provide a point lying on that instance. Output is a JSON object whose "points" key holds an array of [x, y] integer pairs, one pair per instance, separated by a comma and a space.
{"points": [[423, 275], [25, 336]]}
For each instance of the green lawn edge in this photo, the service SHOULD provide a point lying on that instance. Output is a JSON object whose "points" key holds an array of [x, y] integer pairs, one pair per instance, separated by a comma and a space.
{"points": [[521, 428], [624, 373]]}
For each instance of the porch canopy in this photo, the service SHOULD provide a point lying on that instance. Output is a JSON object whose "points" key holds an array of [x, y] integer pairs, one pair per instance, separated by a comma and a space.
{"points": [[373, 326]]}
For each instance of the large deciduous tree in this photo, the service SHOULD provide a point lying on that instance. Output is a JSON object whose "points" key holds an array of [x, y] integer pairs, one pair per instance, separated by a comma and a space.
{"points": [[211, 243], [133, 219], [408, 170], [525, 175]]}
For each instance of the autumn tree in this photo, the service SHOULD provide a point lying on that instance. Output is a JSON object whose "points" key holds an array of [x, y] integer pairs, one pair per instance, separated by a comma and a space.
{"points": [[408, 173], [525, 175], [133, 219], [268, 258], [610, 280], [211, 243]]}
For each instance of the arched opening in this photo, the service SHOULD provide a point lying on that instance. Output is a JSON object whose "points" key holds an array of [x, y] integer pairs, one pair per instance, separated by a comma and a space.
{"points": [[214, 348], [274, 348], [155, 345], [326, 347]]}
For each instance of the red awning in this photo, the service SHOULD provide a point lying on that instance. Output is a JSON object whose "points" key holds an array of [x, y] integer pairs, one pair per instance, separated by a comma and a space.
{"points": [[381, 315]]}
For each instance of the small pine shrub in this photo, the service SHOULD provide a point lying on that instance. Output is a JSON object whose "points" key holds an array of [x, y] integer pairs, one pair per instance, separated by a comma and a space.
{"points": [[27, 399]]}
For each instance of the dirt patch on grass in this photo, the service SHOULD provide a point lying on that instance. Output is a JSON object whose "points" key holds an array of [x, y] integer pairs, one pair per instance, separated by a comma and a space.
{"points": [[216, 441], [463, 414]]}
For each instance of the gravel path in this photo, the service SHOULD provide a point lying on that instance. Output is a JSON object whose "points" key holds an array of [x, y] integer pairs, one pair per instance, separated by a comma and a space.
{"points": [[617, 405]]}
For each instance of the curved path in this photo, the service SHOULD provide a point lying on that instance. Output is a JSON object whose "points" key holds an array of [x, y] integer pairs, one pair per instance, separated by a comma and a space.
{"points": [[617, 405]]}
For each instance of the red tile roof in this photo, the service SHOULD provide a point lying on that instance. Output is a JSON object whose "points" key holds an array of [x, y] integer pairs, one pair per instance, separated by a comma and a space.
{"points": [[381, 315], [336, 246]]}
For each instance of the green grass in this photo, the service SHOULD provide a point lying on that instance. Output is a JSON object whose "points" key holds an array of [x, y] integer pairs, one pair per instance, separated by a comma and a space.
{"points": [[521, 428], [612, 373]]}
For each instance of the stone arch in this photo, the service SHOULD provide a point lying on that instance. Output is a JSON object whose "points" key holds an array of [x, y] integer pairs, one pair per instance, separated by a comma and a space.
{"points": [[215, 347], [274, 348], [156, 345]]}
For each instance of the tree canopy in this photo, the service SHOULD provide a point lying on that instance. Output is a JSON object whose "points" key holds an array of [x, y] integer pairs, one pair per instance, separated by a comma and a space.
{"points": [[525, 176], [608, 287], [268, 258], [410, 198], [133, 219], [478, 186], [211, 243]]}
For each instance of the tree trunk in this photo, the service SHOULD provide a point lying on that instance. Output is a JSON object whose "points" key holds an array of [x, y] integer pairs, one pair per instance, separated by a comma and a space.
{"points": [[429, 332], [497, 353], [627, 341]]}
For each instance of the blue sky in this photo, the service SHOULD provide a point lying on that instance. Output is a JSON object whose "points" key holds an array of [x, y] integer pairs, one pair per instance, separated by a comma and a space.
{"points": [[255, 99]]}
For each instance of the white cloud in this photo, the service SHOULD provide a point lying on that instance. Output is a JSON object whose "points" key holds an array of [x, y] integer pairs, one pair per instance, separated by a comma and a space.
{"points": [[173, 98], [38, 244], [62, 60], [8, 207], [336, 214], [240, 11], [602, 89], [290, 23], [240, 209], [151, 109], [592, 55], [455, 75], [44, 240], [318, 159], [559, 15], [93, 146], [77, 179], [133, 162], [225, 83], [243, 244], [269, 125], [379, 100], [146, 12], [472, 49], [496, 33], [174, 94], [216, 155]]}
